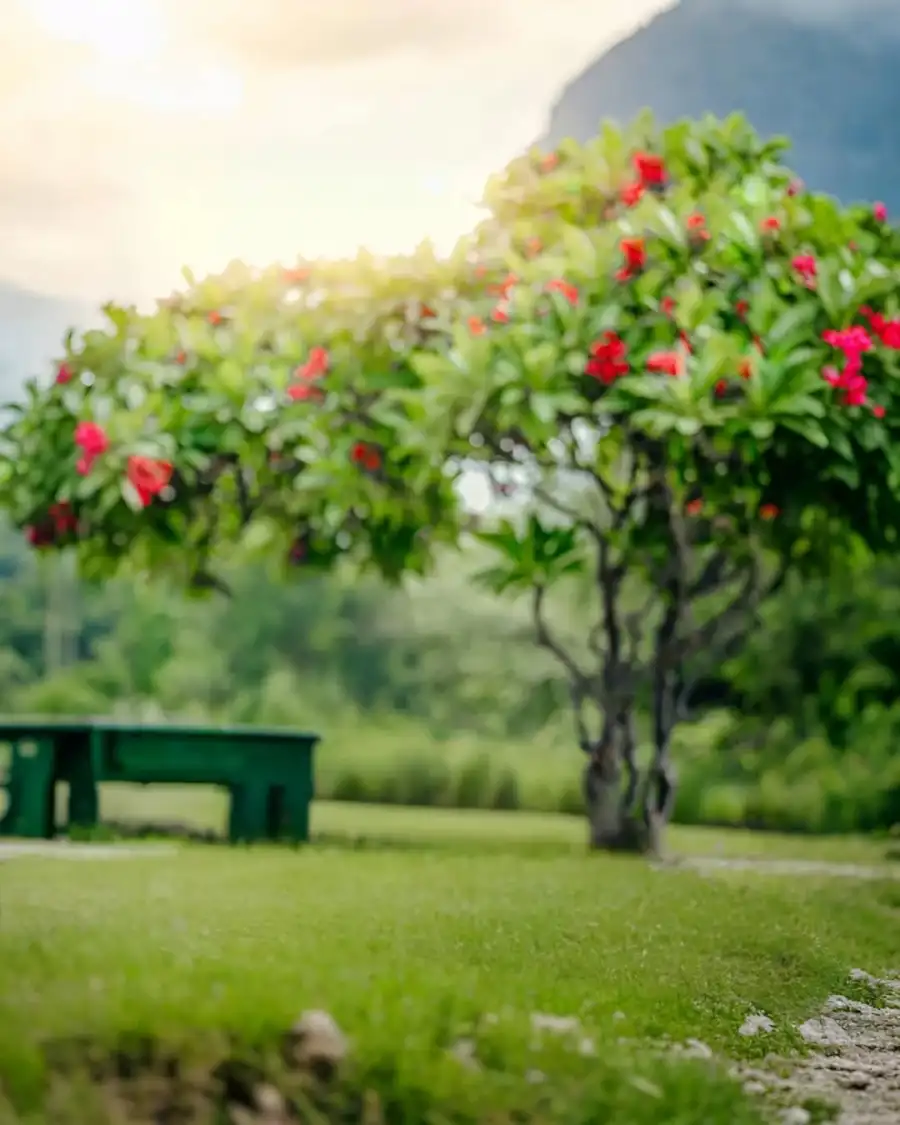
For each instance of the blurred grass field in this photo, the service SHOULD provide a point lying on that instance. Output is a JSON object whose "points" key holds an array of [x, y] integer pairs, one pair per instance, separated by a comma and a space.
{"points": [[206, 808], [410, 949]]}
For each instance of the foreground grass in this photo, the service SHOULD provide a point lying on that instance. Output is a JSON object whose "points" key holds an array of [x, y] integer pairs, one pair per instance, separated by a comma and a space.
{"points": [[411, 949]]}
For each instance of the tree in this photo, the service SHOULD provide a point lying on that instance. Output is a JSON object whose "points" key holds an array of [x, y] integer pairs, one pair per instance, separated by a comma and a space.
{"points": [[678, 361]]}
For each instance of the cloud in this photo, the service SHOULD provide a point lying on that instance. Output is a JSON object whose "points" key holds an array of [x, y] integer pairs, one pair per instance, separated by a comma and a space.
{"points": [[311, 127], [287, 34]]}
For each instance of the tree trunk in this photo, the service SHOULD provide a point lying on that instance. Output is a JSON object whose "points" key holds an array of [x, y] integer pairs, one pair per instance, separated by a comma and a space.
{"points": [[613, 823]]}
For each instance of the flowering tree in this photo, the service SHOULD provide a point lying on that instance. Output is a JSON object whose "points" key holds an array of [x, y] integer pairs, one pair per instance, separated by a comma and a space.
{"points": [[681, 363]]}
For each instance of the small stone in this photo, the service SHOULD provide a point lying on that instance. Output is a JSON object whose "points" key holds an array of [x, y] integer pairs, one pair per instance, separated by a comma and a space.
{"points": [[269, 1100], [754, 1089], [796, 1115], [856, 1080], [316, 1043], [697, 1049], [756, 1023], [464, 1053], [556, 1025]]}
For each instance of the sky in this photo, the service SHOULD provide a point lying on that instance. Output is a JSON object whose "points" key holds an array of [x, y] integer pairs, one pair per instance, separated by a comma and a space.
{"points": [[137, 136]]}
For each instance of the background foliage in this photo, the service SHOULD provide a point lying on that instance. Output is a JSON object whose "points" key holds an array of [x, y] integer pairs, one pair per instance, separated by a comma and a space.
{"points": [[438, 695]]}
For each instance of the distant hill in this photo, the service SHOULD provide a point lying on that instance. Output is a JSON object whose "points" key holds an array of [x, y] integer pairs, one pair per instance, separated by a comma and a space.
{"points": [[825, 74], [32, 327]]}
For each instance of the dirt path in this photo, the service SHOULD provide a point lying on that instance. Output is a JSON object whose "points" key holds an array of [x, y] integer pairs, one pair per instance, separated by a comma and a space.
{"points": [[710, 865], [64, 849]]}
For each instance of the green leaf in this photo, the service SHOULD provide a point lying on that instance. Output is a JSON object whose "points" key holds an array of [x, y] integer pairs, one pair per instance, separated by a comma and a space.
{"points": [[131, 496]]}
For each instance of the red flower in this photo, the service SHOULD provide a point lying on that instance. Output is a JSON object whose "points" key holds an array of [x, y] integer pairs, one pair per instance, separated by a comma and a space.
{"points": [[666, 363], [850, 380], [564, 288], [805, 267], [316, 365], [505, 287], [477, 326], [694, 507], [608, 359], [632, 193], [769, 511], [64, 374], [64, 519], [296, 276], [887, 331], [181, 358], [549, 162], [651, 170], [93, 442], [855, 385], [38, 536], [879, 411], [667, 306], [635, 254], [305, 392], [771, 224], [685, 342], [745, 369], [696, 225], [500, 313], [879, 212], [533, 246], [427, 312], [795, 187], [215, 318], [742, 308], [366, 456], [148, 477], [721, 387], [851, 341]]}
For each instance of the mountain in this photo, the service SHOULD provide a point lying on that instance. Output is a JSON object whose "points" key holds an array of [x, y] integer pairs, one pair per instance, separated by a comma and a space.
{"points": [[32, 327], [821, 72]]}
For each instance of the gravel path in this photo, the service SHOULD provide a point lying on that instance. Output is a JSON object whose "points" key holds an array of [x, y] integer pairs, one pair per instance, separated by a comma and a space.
{"points": [[856, 1066], [710, 865]]}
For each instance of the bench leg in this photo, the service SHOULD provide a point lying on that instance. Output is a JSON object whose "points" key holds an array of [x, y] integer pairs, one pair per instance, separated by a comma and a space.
{"points": [[247, 819], [32, 791], [288, 813], [83, 801]]}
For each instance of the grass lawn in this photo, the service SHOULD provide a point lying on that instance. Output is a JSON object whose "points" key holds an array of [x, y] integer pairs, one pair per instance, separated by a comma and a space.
{"points": [[411, 948], [207, 808]]}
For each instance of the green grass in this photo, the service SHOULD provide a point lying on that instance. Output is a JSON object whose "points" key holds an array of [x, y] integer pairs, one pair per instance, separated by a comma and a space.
{"points": [[411, 948], [207, 808]]}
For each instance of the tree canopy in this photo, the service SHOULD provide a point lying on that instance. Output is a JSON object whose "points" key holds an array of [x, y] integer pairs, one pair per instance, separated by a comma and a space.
{"points": [[681, 364]]}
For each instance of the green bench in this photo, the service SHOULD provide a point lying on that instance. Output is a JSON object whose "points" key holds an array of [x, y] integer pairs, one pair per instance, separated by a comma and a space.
{"points": [[268, 773]]}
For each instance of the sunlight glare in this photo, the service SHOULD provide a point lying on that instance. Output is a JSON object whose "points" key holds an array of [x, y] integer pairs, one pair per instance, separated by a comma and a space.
{"points": [[115, 29]]}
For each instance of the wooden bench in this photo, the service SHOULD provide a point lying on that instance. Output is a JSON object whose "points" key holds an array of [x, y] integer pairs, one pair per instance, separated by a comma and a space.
{"points": [[268, 773]]}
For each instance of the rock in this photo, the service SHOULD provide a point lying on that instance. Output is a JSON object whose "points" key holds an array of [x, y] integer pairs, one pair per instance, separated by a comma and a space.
{"points": [[556, 1025], [856, 1080], [316, 1043], [697, 1049], [754, 1089], [464, 1053], [824, 1032], [755, 1023], [796, 1115], [269, 1100]]}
